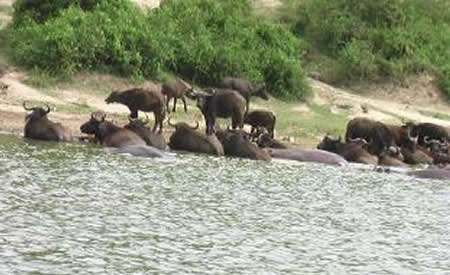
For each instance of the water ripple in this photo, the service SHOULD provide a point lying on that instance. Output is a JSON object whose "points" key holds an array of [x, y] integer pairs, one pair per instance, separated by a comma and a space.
{"points": [[74, 209]]}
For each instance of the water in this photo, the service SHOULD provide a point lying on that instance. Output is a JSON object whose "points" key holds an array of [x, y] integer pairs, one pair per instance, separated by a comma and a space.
{"points": [[74, 209]]}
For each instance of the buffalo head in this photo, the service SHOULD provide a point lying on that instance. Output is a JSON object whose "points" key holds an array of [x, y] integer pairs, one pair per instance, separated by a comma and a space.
{"points": [[91, 127], [329, 143], [261, 91], [36, 112], [182, 125], [113, 97]]}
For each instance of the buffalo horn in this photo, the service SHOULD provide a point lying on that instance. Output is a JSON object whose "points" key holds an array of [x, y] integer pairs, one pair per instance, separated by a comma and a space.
{"points": [[146, 120], [413, 139], [27, 108], [364, 141], [48, 109], [102, 118], [196, 126], [170, 123], [131, 119]]}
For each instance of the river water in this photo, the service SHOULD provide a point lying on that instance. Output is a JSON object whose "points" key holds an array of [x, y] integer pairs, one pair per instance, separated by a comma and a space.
{"points": [[75, 209]]}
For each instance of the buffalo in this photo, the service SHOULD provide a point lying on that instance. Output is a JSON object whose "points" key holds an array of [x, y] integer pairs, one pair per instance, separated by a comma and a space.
{"points": [[391, 157], [376, 133], [186, 138], [175, 89], [221, 103], [264, 140], [109, 134], [352, 151], [38, 126], [261, 118], [236, 143], [151, 139], [139, 99], [430, 130], [245, 88]]}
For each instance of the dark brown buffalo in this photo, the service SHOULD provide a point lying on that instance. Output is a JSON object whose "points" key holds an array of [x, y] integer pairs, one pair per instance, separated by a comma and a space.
{"points": [[438, 150], [221, 103], [139, 99], [262, 137], [175, 88], [431, 130], [109, 134], [237, 144], [376, 133], [38, 126], [140, 127], [186, 138], [261, 118], [402, 135], [245, 88], [392, 157], [418, 155], [352, 151]]}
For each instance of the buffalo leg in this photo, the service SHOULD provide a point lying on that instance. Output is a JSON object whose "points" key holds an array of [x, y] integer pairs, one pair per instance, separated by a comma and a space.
{"points": [[174, 104], [167, 104], [184, 102], [134, 114], [210, 126]]}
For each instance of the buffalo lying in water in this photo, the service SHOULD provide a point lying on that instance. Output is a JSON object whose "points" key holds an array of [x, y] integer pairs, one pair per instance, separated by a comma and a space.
{"points": [[140, 127], [38, 126], [352, 150], [236, 143], [111, 135], [186, 138]]}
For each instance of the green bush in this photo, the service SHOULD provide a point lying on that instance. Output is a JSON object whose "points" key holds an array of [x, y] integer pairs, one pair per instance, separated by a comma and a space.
{"points": [[200, 40], [374, 39]]}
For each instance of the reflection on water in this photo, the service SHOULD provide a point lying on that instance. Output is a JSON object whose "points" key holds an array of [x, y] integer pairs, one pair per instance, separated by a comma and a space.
{"points": [[74, 209]]}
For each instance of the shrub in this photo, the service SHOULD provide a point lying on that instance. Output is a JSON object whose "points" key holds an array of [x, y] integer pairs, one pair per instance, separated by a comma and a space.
{"points": [[201, 40], [374, 39]]}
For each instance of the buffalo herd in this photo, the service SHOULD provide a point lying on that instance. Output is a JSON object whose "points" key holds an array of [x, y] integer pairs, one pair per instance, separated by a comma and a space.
{"points": [[366, 141]]}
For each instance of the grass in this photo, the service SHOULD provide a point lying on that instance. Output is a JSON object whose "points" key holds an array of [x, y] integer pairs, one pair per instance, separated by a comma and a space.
{"points": [[437, 115], [306, 122]]}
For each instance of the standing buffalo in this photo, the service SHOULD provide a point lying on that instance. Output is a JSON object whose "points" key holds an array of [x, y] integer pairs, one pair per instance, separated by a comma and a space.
{"points": [[261, 118], [221, 103], [237, 144], [175, 89], [352, 151], [38, 126], [245, 88], [139, 99], [187, 139], [431, 130], [140, 127], [376, 133]]}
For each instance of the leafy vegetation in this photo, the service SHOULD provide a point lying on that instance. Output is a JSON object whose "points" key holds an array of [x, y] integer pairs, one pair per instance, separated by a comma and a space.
{"points": [[200, 40], [352, 40]]}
